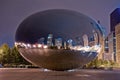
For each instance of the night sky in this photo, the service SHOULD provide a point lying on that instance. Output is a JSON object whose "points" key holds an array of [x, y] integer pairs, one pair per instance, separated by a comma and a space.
{"points": [[13, 12]]}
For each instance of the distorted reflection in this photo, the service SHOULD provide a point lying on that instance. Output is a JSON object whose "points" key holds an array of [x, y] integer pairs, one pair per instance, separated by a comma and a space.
{"points": [[59, 39]]}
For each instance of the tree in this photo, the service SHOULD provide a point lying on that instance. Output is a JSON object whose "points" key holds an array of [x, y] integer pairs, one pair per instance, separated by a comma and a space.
{"points": [[5, 53], [17, 58], [11, 56]]}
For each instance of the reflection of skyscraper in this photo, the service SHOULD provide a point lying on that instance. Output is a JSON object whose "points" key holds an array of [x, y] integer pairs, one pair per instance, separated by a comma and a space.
{"points": [[85, 40], [41, 40], [58, 42], [79, 41], [95, 37], [117, 34], [70, 43], [49, 40], [65, 45]]}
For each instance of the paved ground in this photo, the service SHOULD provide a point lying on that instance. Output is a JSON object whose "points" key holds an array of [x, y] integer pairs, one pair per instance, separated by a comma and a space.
{"points": [[39, 74]]}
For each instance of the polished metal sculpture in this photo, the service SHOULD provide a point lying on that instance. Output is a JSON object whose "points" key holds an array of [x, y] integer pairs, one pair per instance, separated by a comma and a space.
{"points": [[59, 39]]}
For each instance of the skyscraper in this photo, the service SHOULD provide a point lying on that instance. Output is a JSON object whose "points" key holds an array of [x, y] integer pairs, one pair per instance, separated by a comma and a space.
{"points": [[111, 46], [114, 19], [117, 33]]}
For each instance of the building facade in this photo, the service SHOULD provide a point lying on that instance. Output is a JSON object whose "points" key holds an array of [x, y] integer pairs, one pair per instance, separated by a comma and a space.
{"points": [[117, 33], [114, 19], [112, 46]]}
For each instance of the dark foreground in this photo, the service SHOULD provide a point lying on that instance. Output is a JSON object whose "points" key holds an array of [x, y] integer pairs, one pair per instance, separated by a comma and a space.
{"points": [[40, 74]]}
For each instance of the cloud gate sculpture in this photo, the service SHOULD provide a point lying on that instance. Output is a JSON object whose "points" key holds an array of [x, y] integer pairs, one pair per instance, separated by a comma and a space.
{"points": [[59, 39]]}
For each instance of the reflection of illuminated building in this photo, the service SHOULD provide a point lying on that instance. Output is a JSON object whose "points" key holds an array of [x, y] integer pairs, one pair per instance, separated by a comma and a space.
{"points": [[95, 37], [117, 34], [41, 40], [58, 42], [65, 45], [70, 42], [85, 40], [91, 41], [49, 40], [79, 41]]}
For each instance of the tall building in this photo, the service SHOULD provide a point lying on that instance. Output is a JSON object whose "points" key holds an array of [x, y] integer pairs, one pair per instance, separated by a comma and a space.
{"points": [[117, 33], [107, 55], [85, 40], [112, 46], [106, 48], [114, 19], [49, 40]]}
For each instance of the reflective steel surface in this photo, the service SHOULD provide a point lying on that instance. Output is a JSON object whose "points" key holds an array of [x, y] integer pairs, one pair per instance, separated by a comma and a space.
{"points": [[59, 39]]}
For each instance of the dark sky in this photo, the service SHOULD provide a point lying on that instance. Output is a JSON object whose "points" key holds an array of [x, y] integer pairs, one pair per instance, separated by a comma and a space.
{"points": [[13, 12]]}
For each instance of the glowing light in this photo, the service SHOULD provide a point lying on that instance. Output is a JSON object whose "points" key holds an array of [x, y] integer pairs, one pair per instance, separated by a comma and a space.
{"points": [[95, 48], [39, 45], [29, 45], [45, 46], [34, 46]]}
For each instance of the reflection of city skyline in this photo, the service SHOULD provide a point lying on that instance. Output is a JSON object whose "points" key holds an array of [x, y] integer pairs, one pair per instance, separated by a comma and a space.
{"points": [[87, 40], [88, 43]]}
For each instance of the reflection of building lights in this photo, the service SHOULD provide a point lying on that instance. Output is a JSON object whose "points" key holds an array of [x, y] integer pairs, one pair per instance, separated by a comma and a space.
{"points": [[28, 45], [16, 44], [45, 46], [95, 48], [39, 45], [34, 46], [23, 45], [70, 43]]}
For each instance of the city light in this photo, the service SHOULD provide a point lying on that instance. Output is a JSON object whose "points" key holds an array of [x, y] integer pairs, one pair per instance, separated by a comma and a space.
{"points": [[45, 47], [39, 45]]}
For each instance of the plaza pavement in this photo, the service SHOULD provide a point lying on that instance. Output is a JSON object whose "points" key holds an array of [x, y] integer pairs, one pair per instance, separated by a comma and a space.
{"points": [[41, 74]]}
